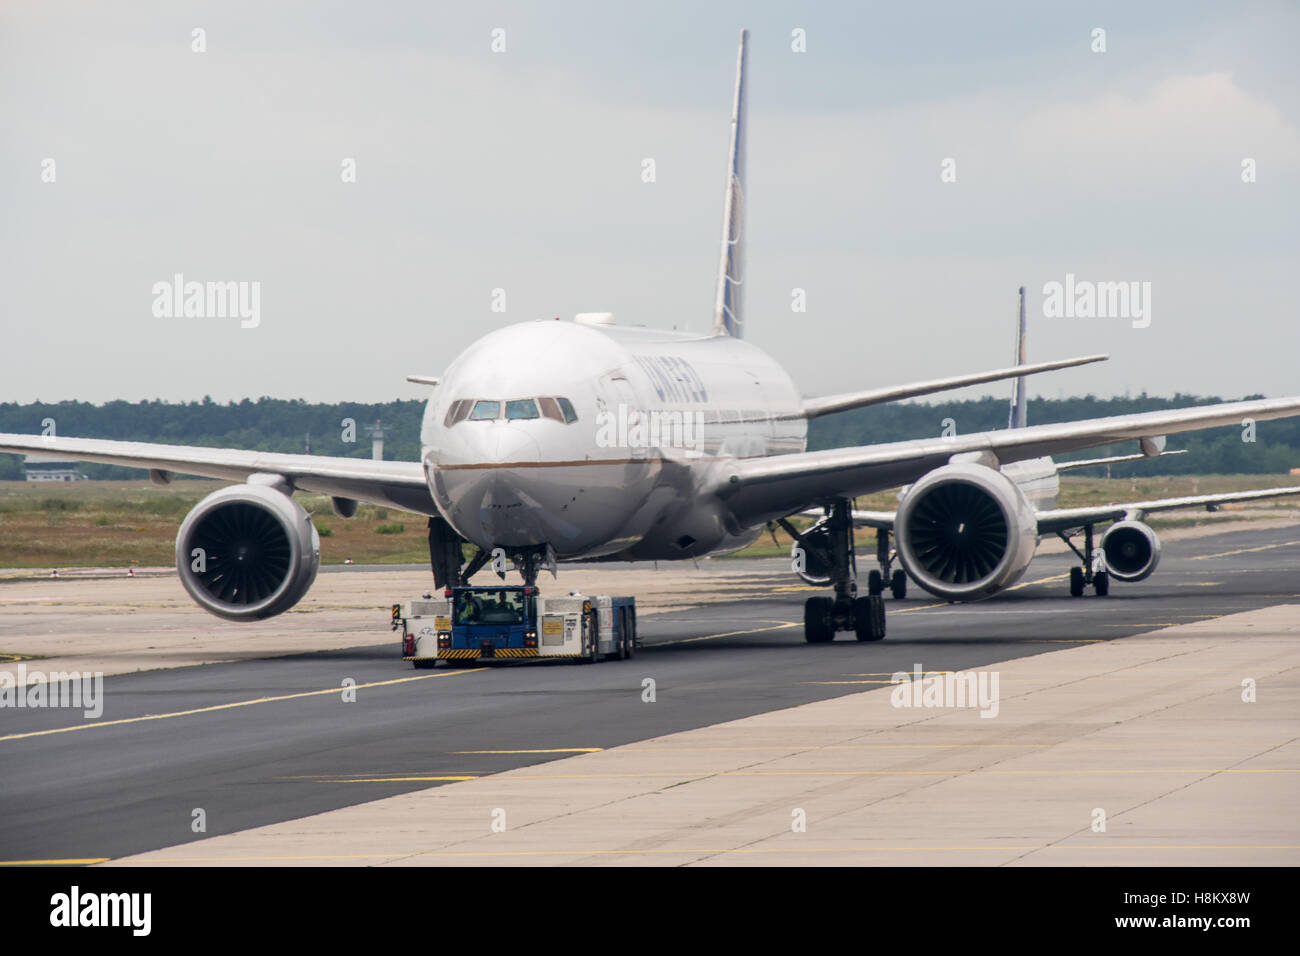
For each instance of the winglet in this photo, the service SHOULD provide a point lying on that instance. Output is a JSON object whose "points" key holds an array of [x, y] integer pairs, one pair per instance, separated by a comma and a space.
{"points": [[728, 317]]}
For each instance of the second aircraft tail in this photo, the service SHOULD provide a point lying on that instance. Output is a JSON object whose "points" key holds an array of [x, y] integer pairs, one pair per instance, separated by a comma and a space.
{"points": [[1018, 417]]}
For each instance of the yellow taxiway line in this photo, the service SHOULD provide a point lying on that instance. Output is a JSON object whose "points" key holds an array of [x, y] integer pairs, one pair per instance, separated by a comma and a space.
{"points": [[88, 861], [238, 703], [1225, 554]]}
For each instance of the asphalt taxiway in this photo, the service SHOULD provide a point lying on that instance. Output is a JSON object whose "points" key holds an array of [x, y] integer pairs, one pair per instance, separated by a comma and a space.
{"points": [[259, 741]]}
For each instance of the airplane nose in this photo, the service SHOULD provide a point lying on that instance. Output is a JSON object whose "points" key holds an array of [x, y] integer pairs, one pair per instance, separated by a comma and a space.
{"points": [[503, 446], [488, 486]]}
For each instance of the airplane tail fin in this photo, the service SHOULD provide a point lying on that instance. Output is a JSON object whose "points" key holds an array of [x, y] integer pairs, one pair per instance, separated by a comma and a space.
{"points": [[1018, 417], [728, 315]]}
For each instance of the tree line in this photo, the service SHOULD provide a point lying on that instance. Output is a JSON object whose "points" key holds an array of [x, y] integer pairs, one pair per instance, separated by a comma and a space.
{"points": [[1262, 448], [294, 425]]}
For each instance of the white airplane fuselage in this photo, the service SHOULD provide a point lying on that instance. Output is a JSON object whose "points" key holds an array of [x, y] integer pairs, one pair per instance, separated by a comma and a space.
{"points": [[656, 412]]}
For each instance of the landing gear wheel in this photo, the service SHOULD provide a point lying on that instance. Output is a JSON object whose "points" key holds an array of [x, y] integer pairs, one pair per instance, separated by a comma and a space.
{"points": [[817, 620], [1076, 582], [869, 617], [898, 584], [1101, 583], [875, 583]]}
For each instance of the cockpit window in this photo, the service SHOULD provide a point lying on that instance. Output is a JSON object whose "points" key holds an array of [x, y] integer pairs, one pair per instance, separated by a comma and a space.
{"points": [[550, 409], [457, 412], [520, 408], [516, 409]]}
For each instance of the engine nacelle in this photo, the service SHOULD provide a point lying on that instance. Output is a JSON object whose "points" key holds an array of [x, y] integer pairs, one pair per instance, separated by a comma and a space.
{"points": [[247, 552], [1132, 550], [965, 531], [815, 571]]}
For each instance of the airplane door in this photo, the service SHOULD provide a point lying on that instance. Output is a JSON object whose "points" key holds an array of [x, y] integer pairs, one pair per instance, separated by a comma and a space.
{"points": [[628, 415], [760, 434]]}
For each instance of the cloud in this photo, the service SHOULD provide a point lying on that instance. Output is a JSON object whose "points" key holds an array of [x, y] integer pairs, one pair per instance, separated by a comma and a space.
{"points": [[1181, 126]]}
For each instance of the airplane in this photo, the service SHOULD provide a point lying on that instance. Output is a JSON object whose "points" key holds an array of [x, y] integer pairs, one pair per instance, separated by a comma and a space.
{"points": [[1129, 550], [518, 458]]}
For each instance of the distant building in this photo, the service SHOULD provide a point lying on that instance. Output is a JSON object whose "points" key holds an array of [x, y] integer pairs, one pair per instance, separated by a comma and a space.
{"points": [[41, 468]]}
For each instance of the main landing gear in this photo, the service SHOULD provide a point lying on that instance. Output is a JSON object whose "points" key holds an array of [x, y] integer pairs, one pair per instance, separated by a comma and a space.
{"points": [[1091, 569], [876, 579], [846, 611]]}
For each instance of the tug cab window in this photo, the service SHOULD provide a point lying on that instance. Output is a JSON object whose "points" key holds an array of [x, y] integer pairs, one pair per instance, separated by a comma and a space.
{"points": [[503, 607]]}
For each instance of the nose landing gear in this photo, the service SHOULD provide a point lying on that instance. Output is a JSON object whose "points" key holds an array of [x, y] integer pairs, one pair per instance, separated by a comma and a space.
{"points": [[897, 578], [529, 561], [1091, 568]]}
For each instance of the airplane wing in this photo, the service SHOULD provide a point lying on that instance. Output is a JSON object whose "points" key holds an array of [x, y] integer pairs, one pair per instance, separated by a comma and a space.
{"points": [[1112, 460], [813, 407], [757, 490], [1068, 519], [882, 520], [398, 483]]}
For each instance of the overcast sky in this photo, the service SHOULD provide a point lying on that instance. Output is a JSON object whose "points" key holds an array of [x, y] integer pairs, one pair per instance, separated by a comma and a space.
{"points": [[522, 170]]}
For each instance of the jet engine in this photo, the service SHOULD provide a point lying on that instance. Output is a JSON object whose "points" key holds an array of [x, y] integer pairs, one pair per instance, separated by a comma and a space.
{"points": [[1132, 550], [247, 552], [965, 531]]}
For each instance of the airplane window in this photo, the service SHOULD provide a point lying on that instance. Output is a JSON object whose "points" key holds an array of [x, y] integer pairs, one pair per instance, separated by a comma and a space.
{"points": [[520, 408], [570, 416], [485, 411], [451, 414], [550, 409], [457, 412]]}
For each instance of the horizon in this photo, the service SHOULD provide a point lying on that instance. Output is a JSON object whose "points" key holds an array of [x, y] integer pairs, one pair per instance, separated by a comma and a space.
{"points": [[906, 401]]}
